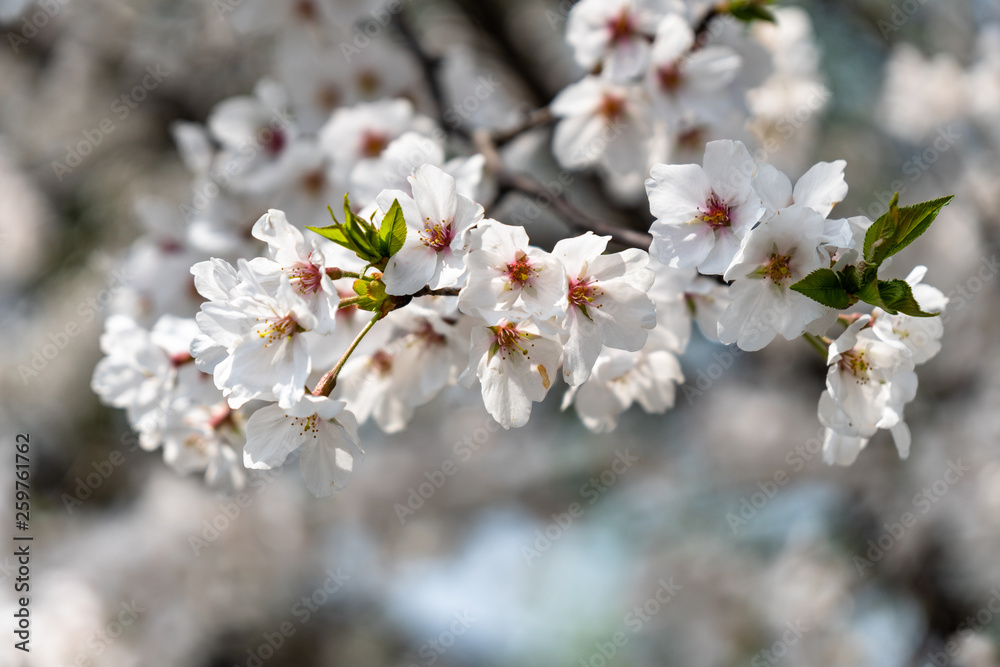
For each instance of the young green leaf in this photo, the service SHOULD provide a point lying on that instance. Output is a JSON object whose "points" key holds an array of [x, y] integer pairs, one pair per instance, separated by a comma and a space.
{"points": [[751, 10], [824, 286], [878, 236], [392, 231], [896, 296], [914, 221], [899, 227], [334, 233]]}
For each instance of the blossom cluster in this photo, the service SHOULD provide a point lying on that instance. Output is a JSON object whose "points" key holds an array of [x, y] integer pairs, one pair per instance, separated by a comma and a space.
{"points": [[665, 76], [294, 333]]}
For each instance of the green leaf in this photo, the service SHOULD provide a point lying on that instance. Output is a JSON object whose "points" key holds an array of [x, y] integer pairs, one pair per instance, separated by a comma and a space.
{"points": [[372, 293], [896, 296], [878, 235], [751, 10], [824, 286], [914, 221], [899, 227], [392, 231], [334, 233]]}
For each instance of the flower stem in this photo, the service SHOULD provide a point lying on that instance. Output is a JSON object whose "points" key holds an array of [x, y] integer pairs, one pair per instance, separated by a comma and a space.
{"points": [[818, 344], [337, 274], [349, 301], [329, 381]]}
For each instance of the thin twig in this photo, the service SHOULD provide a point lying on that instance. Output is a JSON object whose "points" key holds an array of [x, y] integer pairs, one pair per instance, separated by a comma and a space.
{"points": [[818, 345], [533, 119], [329, 381]]}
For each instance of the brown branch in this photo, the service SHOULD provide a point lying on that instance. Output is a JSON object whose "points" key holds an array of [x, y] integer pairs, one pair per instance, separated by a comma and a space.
{"points": [[532, 120]]}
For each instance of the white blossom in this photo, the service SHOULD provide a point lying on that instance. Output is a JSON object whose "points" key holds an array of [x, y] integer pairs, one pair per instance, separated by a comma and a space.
{"points": [[515, 364], [320, 427], [607, 301], [437, 221], [703, 213]]}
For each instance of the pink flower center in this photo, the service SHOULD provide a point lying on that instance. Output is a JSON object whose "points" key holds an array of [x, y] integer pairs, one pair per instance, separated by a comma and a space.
{"points": [[437, 236], [428, 336], [582, 292], [306, 278], [368, 82], [275, 140], [313, 182], [520, 271], [381, 363], [507, 340], [373, 143], [612, 107], [621, 27], [670, 78], [306, 10], [716, 213]]}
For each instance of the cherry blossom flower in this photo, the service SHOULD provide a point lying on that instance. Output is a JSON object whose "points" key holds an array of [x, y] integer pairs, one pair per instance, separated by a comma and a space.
{"points": [[607, 301], [515, 364], [602, 123], [921, 335], [357, 134], [616, 34], [620, 379], [302, 263], [437, 221], [703, 213], [139, 371], [320, 427], [265, 355], [868, 382], [505, 273], [686, 83], [255, 133], [427, 353], [775, 255]]}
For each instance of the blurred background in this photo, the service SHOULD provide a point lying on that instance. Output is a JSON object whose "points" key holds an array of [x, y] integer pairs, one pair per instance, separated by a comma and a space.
{"points": [[712, 536]]}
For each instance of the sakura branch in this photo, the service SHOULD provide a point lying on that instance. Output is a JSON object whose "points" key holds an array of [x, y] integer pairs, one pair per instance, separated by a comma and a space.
{"points": [[416, 287]]}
